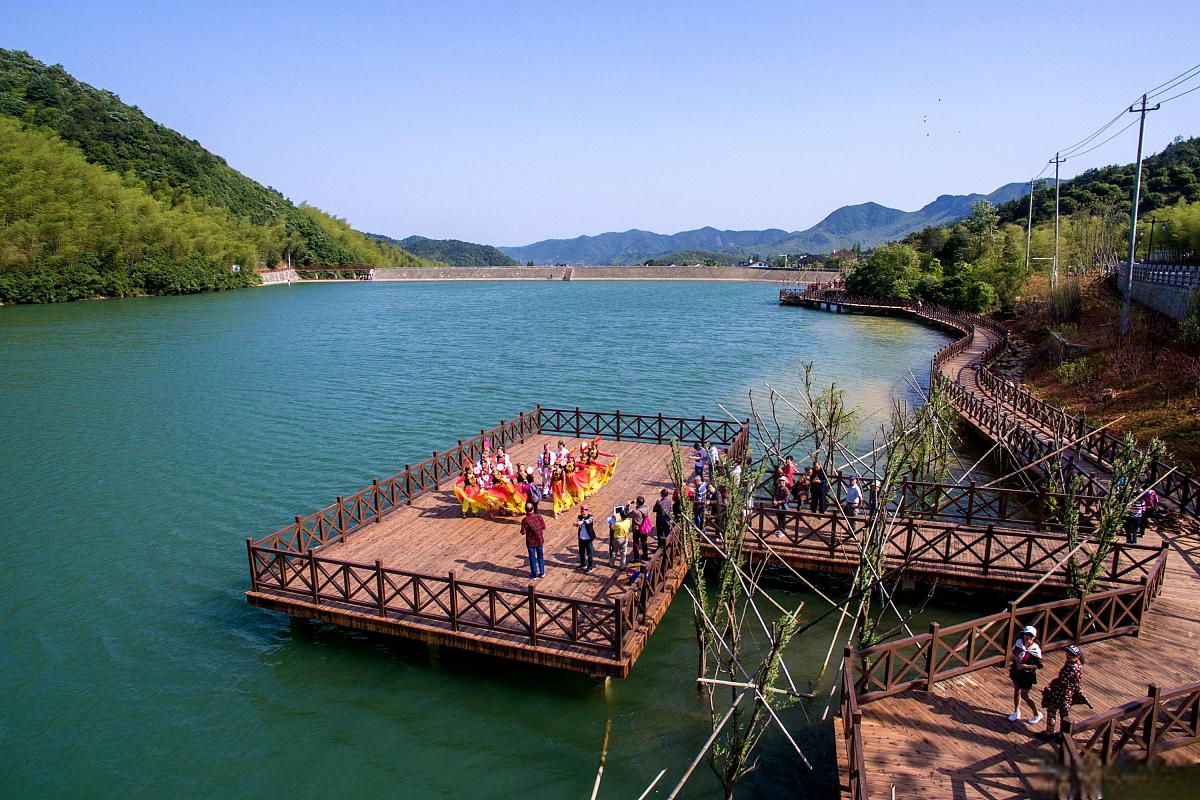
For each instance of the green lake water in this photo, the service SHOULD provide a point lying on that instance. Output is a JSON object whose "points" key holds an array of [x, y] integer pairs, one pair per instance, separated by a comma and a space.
{"points": [[144, 439]]}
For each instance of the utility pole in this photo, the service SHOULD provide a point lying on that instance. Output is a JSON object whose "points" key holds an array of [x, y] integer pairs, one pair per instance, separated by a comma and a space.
{"points": [[1150, 247], [1029, 228], [1054, 264], [1133, 212]]}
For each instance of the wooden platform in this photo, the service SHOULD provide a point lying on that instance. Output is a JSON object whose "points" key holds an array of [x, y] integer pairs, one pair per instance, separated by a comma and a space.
{"points": [[467, 583]]}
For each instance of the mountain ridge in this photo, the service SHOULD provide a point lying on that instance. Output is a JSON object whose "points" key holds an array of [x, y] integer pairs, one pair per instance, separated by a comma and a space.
{"points": [[867, 224]]}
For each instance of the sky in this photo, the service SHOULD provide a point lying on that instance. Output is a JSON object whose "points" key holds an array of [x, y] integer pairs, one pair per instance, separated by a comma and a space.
{"points": [[507, 123]]}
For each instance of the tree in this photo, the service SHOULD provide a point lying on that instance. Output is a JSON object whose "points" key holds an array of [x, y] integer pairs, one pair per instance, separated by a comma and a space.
{"points": [[892, 270]]}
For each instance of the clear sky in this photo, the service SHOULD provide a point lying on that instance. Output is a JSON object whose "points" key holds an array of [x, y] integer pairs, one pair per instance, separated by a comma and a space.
{"points": [[506, 123]]}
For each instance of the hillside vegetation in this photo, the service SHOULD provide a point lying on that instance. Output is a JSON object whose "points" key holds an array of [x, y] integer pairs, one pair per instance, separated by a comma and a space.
{"points": [[455, 252], [175, 217]]}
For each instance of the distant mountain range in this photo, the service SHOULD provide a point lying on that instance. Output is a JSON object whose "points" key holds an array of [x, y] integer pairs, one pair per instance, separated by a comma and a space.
{"points": [[867, 224]]}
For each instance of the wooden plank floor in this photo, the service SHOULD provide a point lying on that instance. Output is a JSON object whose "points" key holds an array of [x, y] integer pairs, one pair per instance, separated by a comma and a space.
{"points": [[432, 537]]}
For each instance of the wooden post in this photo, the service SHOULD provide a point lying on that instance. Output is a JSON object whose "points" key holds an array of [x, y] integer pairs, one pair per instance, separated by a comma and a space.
{"points": [[618, 424], [660, 432], [970, 502], [618, 628], [1150, 731], [576, 422], [931, 657], [299, 532], [532, 616], [437, 478], [703, 427], [253, 571], [379, 584], [312, 576], [454, 602], [341, 518], [1008, 639], [408, 484], [987, 547], [375, 498]]}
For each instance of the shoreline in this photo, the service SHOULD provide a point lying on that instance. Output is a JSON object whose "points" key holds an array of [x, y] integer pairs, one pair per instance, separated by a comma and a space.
{"points": [[569, 273]]}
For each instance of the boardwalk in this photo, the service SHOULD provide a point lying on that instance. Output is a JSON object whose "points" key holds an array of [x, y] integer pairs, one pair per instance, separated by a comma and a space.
{"points": [[953, 739], [398, 558]]}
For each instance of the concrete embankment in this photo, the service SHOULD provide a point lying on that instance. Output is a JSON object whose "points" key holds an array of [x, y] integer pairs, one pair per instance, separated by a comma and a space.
{"points": [[273, 276], [602, 273]]}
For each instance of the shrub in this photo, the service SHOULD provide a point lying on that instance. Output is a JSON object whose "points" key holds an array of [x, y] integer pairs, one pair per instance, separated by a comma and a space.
{"points": [[1078, 373], [1064, 303]]}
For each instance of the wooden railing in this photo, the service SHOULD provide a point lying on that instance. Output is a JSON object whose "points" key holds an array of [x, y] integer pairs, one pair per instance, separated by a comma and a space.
{"points": [[946, 546], [1163, 720], [637, 427], [852, 734], [971, 503], [943, 653], [604, 628]]}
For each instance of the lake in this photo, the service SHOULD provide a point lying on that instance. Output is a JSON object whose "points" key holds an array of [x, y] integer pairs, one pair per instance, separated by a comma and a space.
{"points": [[144, 439]]}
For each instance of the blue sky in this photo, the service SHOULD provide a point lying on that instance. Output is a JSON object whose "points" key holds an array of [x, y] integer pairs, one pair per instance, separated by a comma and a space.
{"points": [[511, 122]]}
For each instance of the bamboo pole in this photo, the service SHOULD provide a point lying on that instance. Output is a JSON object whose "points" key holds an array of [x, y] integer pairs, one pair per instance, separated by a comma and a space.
{"points": [[603, 758]]}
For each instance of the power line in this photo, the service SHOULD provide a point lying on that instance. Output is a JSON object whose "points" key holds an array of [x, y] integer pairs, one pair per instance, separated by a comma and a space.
{"points": [[1181, 94], [1106, 126], [1162, 88], [1106, 141]]}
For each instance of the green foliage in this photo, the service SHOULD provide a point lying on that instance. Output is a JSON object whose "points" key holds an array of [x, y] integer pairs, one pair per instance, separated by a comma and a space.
{"points": [[1169, 176], [1078, 373], [1189, 329], [71, 229], [892, 270], [1177, 231], [93, 187], [452, 251]]}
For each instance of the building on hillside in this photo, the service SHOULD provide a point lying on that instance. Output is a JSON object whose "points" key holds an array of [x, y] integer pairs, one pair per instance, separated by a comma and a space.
{"points": [[844, 255]]}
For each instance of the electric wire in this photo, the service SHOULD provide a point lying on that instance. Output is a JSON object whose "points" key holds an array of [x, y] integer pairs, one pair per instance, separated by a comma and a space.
{"points": [[1181, 94], [1183, 77], [1106, 141]]}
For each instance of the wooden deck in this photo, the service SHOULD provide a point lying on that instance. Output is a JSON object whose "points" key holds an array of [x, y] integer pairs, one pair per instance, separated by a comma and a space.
{"points": [[397, 557], [950, 737]]}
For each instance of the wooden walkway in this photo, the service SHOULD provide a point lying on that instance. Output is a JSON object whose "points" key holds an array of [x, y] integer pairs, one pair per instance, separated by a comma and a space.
{"points": [[399, 558], [951, 737]]}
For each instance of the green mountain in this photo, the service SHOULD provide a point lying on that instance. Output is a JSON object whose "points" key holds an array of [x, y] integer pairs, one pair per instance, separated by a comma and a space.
{"points": [[177, 216], [452, 251], [867, 224], [1167, 177]]}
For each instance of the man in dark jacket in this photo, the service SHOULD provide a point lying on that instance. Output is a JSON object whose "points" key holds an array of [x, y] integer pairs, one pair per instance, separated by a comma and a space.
{"points": [[587, 537], [664, 509], [534, 529]]}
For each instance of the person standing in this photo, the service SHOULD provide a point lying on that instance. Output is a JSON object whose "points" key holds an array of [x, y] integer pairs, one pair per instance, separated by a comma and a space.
{"points": [[534, 529], [639, 518], [1150, 498], [714, 459], [1063, 692], [1134, 518], [854, 498], [699, 460], [1026, 660], [699, 500], [817, 489], [781, 494], [800, 489], [587, 537], [664, 509], [619, 527], [533, 490]]}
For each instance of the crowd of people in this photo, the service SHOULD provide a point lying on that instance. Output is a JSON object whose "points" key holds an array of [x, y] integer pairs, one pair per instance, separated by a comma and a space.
{"points": [[563, 475], [793, 488]]}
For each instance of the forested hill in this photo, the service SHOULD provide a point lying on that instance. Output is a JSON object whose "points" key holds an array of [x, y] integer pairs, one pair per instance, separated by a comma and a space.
{"points": [[455, 252], [1167, 177], [176, 219]]}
